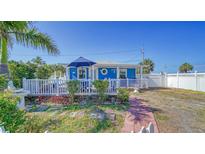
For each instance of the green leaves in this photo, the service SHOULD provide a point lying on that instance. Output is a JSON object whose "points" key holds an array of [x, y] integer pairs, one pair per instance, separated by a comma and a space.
{"points": [[43, 71], [3, 82], [24, 33], [101, 86], [123, 95], [149, 66], [186, 67], [10, 115], [34, 38], [73, 87]]}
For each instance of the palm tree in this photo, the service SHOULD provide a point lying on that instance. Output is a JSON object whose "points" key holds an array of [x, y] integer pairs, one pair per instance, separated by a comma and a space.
{"points": [[185, 68], [24, 33]]}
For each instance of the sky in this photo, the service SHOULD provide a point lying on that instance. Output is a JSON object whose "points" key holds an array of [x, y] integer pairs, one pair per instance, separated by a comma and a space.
{"points": [[168, 44]]}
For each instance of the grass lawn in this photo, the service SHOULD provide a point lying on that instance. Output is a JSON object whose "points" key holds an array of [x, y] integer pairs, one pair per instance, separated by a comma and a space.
{"points": [[176, 110], [74, 119]]}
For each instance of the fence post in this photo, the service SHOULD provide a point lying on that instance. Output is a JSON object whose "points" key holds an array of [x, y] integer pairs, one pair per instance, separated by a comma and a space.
{"points": [[24, 83], [177, 79], [165, 80], [196, 87], [127, 83]]}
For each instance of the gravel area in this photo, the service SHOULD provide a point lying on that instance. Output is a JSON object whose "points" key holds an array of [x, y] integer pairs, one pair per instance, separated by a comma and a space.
{"points": [[176, 110]]}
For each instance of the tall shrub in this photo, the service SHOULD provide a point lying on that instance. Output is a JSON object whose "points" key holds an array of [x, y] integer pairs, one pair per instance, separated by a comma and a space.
{"points": [[123, 95], [3, 82], [11, 117], [73, 87], [101, 87]]}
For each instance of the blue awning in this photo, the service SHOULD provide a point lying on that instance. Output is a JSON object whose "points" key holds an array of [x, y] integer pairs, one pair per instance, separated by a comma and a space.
{"points": [[81, 62]]}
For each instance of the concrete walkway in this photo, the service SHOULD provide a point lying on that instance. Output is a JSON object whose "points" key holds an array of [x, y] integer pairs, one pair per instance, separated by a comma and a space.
{"points": [[138, 115]]}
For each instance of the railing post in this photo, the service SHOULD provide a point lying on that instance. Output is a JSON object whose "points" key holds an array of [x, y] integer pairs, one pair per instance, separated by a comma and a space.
{"points": [[57, 86], [36, 87], [89, 85], [118, 83], [127, 83]]}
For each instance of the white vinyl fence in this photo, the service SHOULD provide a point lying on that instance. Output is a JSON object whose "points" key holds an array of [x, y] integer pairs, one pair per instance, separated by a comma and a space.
{"points": [[192, 81], [48, 87]]}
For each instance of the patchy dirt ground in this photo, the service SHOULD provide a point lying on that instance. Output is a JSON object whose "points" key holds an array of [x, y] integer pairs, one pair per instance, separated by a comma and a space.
{"points": [[176, 110]]}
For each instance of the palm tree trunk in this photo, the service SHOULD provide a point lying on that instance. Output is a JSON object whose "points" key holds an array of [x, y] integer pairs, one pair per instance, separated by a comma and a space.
{"points": [[4, 52]]}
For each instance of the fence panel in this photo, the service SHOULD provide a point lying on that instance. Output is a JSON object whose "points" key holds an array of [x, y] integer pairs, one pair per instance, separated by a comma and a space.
{"points": [[40, 87]]}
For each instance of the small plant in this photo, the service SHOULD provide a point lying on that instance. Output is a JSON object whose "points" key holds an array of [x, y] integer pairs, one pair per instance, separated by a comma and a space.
{"points": [[10, 115], [101, 87], [3, 82], [123, 95], [73, 87]]}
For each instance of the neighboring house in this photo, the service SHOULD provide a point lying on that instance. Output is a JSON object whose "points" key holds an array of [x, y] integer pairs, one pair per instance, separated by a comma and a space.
{"points": [[83, 68]]}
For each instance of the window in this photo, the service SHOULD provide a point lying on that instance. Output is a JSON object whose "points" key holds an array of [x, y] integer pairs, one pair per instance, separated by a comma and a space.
{"points": [[123, 73], [81, 73]]}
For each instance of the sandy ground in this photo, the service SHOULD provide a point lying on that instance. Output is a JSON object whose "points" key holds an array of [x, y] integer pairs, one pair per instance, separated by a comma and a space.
{"points": [[176, 110]]}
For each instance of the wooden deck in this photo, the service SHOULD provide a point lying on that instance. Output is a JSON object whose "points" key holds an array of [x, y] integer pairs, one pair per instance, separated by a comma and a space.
{"points": [[41, 87]]}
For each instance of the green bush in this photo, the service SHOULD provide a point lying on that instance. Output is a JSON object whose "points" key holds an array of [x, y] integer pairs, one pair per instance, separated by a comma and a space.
{"points": [[11, 117], [73, 87], [39, 124], [3, 82], [101, 87], [123, 95]]}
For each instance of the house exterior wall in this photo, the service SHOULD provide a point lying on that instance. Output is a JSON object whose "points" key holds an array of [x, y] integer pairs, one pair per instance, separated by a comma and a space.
{"points": [[131, 73], [111, 73]]}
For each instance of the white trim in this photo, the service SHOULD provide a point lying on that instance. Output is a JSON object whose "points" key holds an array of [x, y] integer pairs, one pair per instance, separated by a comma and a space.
{"points": [[104, 69], [93, 72], [96, 73], [118, 72]]}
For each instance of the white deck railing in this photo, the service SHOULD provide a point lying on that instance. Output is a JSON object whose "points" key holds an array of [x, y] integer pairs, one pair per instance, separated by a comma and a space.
{"points": [[49, 87]]}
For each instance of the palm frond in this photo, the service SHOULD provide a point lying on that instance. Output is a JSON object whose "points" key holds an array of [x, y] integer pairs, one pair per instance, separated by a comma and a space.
{"points": [[37, 40]]}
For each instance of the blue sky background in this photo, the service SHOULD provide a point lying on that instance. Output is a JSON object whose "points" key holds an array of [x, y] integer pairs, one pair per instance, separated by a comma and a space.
{"points": [[168, 44]]}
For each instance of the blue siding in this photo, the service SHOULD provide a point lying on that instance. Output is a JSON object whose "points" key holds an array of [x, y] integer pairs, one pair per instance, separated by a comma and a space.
{"points": [[131, 72], [111, 74], [73, 73]]}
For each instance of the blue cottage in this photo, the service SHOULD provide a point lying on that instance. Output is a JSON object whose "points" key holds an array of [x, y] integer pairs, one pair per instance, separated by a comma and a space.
{"points": [[83, 68]]}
